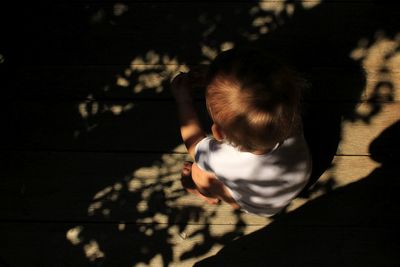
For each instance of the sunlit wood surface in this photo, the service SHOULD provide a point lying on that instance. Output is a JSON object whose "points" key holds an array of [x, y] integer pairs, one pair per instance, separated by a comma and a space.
{"points": [[91, 149]]}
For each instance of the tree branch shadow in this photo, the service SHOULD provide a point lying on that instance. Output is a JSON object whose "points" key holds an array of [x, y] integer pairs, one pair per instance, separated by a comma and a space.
{"points": [[125, 217]]}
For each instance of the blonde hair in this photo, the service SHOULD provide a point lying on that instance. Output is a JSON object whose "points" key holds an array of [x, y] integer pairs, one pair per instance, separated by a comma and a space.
{"points": [[254, 99]]}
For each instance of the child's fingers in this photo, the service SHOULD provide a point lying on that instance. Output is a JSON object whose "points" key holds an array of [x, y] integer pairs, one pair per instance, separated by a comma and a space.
{"points": [[212, 201], [187, 168], [185, 171], [186, 179], [189, 185], [187, 164]]}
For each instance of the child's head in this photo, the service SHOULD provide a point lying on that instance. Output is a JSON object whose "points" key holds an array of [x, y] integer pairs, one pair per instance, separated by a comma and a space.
{"points": [[253, 99]]}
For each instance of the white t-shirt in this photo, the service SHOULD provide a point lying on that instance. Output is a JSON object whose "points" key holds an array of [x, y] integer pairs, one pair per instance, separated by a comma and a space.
{"points": [[260, 184]]}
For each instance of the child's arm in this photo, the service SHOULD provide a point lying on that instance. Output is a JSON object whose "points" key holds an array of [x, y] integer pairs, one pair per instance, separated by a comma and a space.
{"points": [[210, 187], [190, 127], [207, 186]]}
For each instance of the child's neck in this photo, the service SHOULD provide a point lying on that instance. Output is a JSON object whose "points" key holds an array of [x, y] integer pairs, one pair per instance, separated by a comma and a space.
{"points": [[261, 152], [265, 151]]}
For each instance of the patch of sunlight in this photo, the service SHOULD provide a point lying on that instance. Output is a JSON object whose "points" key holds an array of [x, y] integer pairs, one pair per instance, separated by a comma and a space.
{"points": [[123, 82], [149, 232], [277, 7], [358, 134], [119, 9], [272, 6], [153, 194], [156, 261], [149, 80], [82, 110], [190, 239], [103, 192], [92, 251], [159, 217], [344, 171], [127, 73], [264, 29], [209, 52], [94, 206], [268, 15], [150, 72], [73, 235], [226, 46], [309, 4], [260, 21], [90, 108], [147, 172], [142, 206], [121, 226], [118, 186], [134, 185], [95, 108], [153, 70], [380, 58], [119, 109], [106, 212], [290, 7]]}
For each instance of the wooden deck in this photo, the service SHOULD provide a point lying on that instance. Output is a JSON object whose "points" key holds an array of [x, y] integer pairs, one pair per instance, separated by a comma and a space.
{"points": [[91, 150]]}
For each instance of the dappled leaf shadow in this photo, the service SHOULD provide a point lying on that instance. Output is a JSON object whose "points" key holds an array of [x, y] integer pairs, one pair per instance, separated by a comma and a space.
{"points": [[83, 129]]}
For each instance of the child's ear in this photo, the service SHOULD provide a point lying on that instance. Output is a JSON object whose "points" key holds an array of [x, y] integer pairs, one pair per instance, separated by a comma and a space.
{"points": [[217, 133]]}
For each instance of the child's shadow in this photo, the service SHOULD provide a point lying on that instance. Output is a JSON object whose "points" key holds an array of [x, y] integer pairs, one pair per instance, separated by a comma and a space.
{"points": [[355, 225], [320, 44]]}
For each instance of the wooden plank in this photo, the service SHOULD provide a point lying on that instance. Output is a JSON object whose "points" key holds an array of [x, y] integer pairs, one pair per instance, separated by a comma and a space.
{"points": [[126, 82], [108, 33], [151, 81], [135, 188], [48, 244], [357, 135], [107, 186], [361, 216], [353, 246], [153, 126], [94, 125], [66, 244]]}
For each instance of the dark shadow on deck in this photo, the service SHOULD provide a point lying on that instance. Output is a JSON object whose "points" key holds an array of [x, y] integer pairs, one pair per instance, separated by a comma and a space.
{"points": [[356, 225], [78, 49]]}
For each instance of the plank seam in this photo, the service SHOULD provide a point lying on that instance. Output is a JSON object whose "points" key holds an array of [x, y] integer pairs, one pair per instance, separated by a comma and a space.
{"points": [[88, 151]]}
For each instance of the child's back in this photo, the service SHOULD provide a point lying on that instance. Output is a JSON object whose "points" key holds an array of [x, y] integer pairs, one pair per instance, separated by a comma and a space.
{"points": [[258, 150], [257, 159], [260, 184]]}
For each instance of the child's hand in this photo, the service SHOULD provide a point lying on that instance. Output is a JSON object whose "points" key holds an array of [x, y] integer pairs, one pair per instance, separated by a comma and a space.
{"points": [[190, 186], [184, 84], [197, 76], [180, 87]]}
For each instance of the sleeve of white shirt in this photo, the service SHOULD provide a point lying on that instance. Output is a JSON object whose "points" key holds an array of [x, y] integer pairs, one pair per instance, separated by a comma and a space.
{"points": [[202, 153]]}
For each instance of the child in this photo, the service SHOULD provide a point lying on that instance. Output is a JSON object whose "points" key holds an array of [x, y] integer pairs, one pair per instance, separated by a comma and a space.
{"points": [[256, 159]]}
